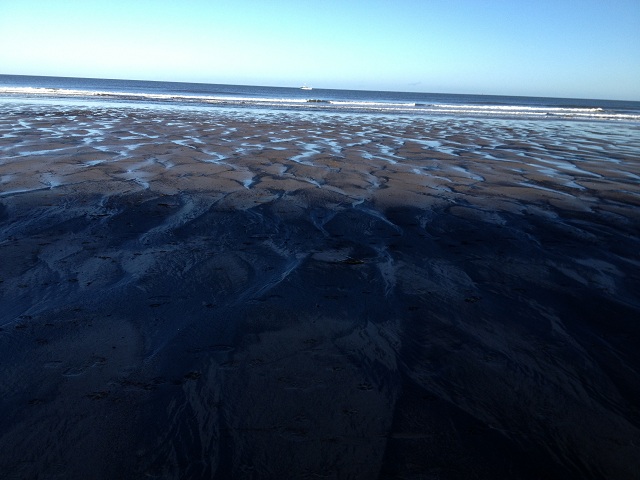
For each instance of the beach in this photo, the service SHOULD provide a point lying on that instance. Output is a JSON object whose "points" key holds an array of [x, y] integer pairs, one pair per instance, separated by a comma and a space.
{"points": [[200, 293]]}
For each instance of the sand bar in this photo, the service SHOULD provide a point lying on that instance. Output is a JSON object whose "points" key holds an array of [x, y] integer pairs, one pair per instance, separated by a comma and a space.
{"points": [[197, 294]]}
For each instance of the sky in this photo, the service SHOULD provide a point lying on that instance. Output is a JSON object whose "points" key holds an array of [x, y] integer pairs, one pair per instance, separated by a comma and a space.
{"points": [[557, 48]]}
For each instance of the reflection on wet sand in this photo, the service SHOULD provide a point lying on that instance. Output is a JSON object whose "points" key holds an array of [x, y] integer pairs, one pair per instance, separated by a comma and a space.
{"points": [[264, 295]]}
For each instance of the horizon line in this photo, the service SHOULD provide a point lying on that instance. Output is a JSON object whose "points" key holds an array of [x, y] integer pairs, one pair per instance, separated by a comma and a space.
{"points": [[321, 88]]}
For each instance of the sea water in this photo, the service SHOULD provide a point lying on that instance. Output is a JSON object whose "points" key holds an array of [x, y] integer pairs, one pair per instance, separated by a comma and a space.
{"points": [[200, 95]]}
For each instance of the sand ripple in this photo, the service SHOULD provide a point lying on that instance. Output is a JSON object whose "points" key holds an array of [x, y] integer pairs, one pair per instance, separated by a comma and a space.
{"points": [[278, 295]]}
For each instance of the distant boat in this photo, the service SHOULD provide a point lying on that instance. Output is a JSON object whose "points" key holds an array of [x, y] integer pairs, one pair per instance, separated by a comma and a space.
{"points": [[304, 87]]}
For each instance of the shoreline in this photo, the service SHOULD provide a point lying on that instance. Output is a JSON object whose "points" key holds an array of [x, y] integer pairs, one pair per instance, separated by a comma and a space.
{"points": [[326, 102], [227, 294]]}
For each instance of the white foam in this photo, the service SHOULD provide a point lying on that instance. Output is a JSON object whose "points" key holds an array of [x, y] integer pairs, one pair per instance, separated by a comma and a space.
{"points": [[371, 104], [518, 108], [587, 113], [150, 96]]}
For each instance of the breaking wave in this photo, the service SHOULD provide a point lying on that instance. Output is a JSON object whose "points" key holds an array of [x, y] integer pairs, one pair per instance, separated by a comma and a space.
{"points": [[332, 104]]}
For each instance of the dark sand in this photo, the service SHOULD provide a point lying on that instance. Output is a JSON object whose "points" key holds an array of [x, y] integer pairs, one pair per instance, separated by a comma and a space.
{"points": [[279, 295]]}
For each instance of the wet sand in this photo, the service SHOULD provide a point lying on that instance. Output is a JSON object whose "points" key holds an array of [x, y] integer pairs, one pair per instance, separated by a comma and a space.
{"points": [[280, 295]]}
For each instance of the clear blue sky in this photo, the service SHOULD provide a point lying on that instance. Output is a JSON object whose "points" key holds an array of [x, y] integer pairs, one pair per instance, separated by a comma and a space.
{"points": [[580, 48]]}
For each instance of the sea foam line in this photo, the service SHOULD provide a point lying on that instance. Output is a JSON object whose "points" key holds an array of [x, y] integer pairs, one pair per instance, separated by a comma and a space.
{"points": [[593, 113], [151, 96]]}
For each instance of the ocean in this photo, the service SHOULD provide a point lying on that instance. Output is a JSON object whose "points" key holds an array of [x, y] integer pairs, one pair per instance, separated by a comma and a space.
{"points": [[201, 95]]}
